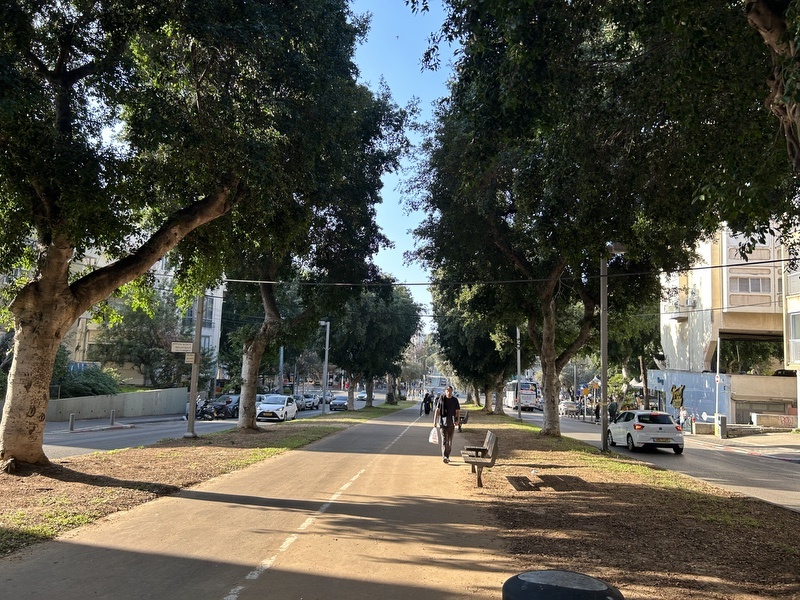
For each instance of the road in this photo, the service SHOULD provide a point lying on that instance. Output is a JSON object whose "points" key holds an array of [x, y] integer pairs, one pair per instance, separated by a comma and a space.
{"points": [[732, 467], [96, 435]]}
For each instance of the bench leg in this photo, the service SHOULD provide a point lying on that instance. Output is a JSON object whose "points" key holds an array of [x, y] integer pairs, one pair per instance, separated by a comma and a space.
{"points": [[473, 468], [480, 470]]}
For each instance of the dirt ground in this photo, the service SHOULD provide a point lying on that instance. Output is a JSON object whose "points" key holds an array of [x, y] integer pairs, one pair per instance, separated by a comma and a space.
{"points": [[556, 503]]}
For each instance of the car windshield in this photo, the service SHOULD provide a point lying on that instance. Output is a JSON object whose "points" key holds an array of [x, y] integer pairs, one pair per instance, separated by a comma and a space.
{"points": [[274, 400], [656, 419]]}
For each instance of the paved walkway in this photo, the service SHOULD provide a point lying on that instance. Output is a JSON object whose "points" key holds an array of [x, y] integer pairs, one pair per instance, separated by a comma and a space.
{"points": [[371, 512]]}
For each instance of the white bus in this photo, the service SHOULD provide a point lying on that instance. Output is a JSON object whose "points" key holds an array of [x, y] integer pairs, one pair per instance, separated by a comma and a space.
{"points": [[529, 395]]}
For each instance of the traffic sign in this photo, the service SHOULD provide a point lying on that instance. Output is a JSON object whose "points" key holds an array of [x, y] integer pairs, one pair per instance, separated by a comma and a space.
{"points": [[189, 358], [182, 346]]}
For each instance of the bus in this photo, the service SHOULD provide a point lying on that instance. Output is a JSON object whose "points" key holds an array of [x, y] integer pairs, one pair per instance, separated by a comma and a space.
{"points": [[529, 394]]}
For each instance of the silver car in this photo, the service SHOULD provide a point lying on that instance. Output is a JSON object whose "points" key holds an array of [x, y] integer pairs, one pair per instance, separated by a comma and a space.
{"points": [[645, 429]]}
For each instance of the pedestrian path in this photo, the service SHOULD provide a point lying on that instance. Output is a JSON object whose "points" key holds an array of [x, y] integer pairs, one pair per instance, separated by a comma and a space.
{"points": [[371, 512]]}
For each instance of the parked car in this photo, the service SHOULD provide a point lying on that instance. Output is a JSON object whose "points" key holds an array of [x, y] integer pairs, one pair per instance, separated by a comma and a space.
{"points": [[310, 401], [645, 429], [328, 397], [567, 407], [361, 395], [338, 404], [299, 401], [277, 407]]}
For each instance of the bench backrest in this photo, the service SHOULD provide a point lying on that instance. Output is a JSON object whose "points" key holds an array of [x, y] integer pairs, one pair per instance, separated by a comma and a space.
{"points": [[488, 439], [491, 444]]}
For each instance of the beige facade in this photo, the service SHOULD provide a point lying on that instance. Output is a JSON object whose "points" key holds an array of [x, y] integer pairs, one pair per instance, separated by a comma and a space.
{"points": [[725, 297]]}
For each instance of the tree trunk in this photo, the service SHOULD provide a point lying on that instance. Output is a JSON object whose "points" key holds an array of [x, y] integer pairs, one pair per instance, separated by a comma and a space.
{"points": [[550, 372], [487, 405], [645, 391], [49, 305], [369, 387], [25, 411], [390, 390], [253, 353]]}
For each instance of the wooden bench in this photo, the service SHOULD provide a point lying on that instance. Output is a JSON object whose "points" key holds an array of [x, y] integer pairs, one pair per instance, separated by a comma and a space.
{"points": [[463, 417], [481, 456]]}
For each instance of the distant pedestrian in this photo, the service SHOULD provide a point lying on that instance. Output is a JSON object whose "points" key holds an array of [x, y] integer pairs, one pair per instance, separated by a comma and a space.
{"points": [[683, 418], [427, 403], [446, 418], [612, 410], [597, 412]]}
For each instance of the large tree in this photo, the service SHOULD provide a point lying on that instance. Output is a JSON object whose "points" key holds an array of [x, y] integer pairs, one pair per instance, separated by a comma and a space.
{"points": [[369, 336], [548, 150], [314, 228], [197, 92], [481, 352]]}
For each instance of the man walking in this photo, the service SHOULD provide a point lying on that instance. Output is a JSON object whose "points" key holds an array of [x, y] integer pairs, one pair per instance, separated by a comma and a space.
{"points": [[446, 417]]}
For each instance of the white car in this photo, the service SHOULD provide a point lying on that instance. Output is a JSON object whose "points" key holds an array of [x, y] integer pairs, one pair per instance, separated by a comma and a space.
{"points": [[311, 401], [567, 407], [277, 407], [361, 396], [645, 429]]}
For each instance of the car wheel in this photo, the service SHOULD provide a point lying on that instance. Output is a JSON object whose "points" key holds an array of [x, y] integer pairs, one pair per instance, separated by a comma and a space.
{"points": [[282, 418], [630, 444], [678, 449], [610, 439]]}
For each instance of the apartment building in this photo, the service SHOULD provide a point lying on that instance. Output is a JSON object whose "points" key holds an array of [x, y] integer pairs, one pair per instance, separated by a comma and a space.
{"points": [[725, 298], [84, 332]]}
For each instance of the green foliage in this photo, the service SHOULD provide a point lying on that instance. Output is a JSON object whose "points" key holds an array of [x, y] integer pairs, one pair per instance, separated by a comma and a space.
{"points": [[89, 382], [369, 337], [61, 364], [757, 357], [574, 124], [143, 337]]}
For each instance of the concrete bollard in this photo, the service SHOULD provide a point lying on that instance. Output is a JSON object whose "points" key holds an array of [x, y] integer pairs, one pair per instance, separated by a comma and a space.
{"points": [[113, 414], [558, 585], [72, 421]]}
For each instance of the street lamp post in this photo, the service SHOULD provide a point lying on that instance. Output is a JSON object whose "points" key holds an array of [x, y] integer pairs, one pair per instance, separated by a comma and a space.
{"points": [[615, 249], [327, 325], [198, 336], [604, 353]]}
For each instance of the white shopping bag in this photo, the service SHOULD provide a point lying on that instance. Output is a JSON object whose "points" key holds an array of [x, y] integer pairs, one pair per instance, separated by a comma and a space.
{"points": [[433, 436]]}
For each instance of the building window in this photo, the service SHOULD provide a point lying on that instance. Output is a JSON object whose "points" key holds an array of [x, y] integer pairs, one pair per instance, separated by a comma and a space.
{"points": [[751, 285]]}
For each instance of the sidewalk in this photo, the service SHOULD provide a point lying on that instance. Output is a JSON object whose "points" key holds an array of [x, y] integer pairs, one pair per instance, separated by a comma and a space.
{"points": [[103, 424]]}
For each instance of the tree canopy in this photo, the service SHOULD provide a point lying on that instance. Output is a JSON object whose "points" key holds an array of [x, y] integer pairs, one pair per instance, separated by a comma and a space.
{"points": [[126, 126], [571, 125]]}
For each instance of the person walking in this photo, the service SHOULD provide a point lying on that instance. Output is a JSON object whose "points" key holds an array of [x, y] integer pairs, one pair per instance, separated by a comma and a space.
{"points": [[683, 418], [612, 410], [427, 403], [597, 412], [446, 417]]}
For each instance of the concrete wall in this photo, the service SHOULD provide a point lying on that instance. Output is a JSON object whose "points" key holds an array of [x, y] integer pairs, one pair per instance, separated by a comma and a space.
{"points": [[773, 420], [135, 404]]}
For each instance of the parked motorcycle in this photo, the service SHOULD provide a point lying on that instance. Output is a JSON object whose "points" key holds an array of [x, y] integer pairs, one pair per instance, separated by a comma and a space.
{"points": [[205, 411]]}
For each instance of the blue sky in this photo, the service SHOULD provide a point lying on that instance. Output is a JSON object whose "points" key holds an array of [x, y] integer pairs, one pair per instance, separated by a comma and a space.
{"points": [[393, 51]]}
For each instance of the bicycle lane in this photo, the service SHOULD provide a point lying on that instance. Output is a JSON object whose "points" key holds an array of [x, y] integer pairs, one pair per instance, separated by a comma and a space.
{"points": [[370, 512]]}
